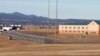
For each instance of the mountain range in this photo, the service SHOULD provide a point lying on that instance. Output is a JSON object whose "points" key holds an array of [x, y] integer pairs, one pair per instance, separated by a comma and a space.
{"points": [[19, 18]]}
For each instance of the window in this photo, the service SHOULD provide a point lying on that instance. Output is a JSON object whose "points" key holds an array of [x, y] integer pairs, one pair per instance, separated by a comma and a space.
{"points": [[82, 27], [78, 31], [93, 23], [78, 27], [62, 27], [74, 27], [74, 31], [70, 31], [70, 27], [83, 31], [86, 27], [93, 32], [62, 31], [65, 27]]}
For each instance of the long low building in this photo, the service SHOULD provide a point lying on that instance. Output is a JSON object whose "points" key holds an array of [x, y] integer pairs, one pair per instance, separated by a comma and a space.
{"points": [[91, 27]]}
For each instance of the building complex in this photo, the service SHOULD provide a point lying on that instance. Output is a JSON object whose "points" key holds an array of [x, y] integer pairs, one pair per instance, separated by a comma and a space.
{"points": [[91, 27]]}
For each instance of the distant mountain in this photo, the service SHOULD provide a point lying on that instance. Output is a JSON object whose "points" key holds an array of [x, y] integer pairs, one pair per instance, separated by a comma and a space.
{"points": [[19, 18]]}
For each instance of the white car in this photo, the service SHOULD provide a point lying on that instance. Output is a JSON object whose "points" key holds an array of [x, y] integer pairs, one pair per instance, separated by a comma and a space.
{"points": [[6, 28]]}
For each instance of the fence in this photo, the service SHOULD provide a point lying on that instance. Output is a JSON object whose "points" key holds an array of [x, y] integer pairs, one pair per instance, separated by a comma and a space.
{"points": [[28, 37], [46, 40]]}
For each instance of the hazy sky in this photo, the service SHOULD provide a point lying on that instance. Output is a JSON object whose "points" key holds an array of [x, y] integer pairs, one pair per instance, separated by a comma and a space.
{"points": [[88, 9]]}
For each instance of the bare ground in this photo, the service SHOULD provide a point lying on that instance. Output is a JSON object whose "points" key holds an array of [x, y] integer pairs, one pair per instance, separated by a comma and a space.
{"points": [[25, 48]]}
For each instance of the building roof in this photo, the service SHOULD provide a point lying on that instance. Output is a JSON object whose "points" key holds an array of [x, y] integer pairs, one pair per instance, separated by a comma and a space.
{"points": [[81, 22], [77, 23]]}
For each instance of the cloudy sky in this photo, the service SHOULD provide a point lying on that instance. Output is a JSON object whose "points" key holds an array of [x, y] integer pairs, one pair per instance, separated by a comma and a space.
{"points": [[79, 9]]}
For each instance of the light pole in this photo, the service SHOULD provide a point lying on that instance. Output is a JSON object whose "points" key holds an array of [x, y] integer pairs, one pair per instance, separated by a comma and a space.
{"points": [[48, 8], [56, 21], [56, 14], [56, 9], [48, 20]]}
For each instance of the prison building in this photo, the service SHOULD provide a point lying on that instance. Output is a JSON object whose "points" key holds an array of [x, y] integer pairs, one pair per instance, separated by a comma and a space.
{"points": [[90, 27]]}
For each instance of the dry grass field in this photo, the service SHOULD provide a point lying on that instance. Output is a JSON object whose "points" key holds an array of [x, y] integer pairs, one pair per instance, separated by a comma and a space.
{"points": [[41, 32], [54, 32], [24, 48], [68, 38]]}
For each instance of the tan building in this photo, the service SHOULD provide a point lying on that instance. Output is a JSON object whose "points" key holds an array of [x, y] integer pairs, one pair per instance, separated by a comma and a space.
{"points": [[92, 27]]}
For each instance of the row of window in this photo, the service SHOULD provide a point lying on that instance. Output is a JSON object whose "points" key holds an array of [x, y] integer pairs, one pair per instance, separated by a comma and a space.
{"points": [[74, 31], [74, 27]]}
